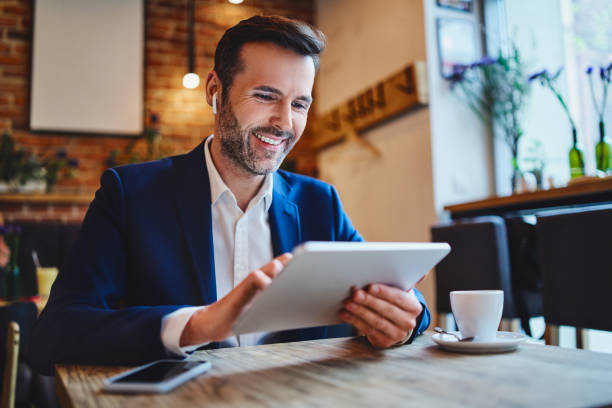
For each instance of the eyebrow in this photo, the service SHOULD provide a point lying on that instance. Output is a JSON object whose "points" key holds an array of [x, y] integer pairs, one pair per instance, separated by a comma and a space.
{"points": [[266, 88]]}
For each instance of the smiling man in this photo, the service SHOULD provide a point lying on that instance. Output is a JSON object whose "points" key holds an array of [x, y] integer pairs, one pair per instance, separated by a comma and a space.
{"points": [[170, 253]]}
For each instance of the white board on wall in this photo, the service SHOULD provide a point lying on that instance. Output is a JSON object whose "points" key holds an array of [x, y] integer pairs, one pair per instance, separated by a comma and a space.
{"points": [[87, 66]]}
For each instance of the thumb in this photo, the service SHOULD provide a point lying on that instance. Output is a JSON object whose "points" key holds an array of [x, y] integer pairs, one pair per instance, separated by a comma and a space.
{"points": [[240, 297]]}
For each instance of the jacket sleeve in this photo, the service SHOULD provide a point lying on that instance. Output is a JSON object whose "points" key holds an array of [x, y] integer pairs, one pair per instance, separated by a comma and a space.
{"points": [[424, 319], [343, 228], [83, 321]]}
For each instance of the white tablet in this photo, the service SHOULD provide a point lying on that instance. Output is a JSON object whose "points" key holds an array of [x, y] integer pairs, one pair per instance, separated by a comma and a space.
{"points": [[310, 290]]}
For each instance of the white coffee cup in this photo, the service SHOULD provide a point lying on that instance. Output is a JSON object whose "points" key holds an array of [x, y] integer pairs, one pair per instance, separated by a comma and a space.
{"points": [[478, 312]]}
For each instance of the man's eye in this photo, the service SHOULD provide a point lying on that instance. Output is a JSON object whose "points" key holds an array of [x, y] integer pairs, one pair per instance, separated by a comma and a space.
{"points": [[300, 106], [265, 97]]}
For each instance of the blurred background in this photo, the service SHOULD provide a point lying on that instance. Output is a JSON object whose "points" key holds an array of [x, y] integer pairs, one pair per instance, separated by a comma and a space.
{"points": [[86, 85]]}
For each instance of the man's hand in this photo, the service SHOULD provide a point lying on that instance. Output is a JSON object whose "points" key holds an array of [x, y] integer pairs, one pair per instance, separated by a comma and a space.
{"points": [[385, 314], [214, 323]]}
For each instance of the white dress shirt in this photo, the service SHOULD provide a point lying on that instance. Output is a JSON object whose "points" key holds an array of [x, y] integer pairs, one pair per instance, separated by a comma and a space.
{"points": [[242, 242]]}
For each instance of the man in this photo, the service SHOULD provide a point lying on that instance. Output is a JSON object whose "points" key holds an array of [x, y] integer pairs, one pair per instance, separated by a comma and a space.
{"points": [[163, 236]]}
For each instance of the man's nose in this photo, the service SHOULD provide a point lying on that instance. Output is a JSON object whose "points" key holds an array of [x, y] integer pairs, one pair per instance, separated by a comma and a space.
{"points": [[281, 119]]}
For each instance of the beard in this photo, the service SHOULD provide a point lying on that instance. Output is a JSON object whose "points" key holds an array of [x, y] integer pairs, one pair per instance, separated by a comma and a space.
{"points": [[236, 144]]}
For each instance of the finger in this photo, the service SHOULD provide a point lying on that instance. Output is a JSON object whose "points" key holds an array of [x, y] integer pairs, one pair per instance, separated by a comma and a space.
{"points": [[275, 266], [377, 338], [285, 258], [242, 295], [405, 300], [400, 317], [376, 321]]}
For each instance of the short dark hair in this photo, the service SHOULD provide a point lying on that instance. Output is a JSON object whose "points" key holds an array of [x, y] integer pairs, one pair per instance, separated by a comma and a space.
{"points": [[290, 34]]}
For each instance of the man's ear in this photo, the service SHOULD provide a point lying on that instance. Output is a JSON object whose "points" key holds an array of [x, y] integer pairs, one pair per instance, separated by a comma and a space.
{"points": [[213, 87]]}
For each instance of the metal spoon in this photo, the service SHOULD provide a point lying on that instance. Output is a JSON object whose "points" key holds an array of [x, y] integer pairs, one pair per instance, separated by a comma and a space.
{"points": [[439, 330]]}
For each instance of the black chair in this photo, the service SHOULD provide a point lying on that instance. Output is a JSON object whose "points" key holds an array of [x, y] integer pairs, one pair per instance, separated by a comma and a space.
{"points": [[479, 260], [32, 388], [576, 264]]}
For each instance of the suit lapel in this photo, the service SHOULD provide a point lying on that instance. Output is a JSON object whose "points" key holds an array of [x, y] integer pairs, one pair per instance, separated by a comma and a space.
{"points": [[284, 218], [194, 209]]}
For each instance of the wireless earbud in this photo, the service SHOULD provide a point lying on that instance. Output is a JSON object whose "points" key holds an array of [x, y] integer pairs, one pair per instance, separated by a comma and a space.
{"points": [[214, 104]]}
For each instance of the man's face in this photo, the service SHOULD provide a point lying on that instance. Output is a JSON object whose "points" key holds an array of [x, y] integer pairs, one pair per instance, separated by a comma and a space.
{"points": [[265, 112]]}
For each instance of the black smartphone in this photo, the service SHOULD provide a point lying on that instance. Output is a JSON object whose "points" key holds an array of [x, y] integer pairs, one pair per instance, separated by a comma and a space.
{"points": [[158, 376]]}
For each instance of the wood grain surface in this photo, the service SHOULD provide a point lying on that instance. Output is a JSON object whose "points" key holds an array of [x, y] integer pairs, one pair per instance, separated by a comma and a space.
{"points": [[585, 189], [83, 198], [349, 372]]}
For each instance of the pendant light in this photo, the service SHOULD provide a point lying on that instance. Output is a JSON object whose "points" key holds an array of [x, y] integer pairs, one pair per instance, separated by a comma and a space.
{"points": [[191, 80]]}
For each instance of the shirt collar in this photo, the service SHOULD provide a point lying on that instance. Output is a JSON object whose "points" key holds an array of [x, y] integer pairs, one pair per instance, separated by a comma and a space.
{"points": [[218, 186]]}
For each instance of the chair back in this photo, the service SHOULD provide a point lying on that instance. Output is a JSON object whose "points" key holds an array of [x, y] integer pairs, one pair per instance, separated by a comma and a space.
{"points": [[479, 259], [51, 240], [24, 314], [577, 266], [9, 383]]}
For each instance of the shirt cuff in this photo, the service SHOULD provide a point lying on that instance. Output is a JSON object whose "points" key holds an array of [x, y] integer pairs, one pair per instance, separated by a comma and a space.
{"points": [[415, 331], [172, 327], [405, 339]]}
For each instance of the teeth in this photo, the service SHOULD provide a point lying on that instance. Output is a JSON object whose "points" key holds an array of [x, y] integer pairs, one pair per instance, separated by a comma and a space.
{"points": [[267, 139]]}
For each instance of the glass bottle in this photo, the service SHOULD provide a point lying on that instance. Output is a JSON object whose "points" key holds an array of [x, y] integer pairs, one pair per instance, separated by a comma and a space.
{"points": [[516, 176], [602, 151], [576, 158]]}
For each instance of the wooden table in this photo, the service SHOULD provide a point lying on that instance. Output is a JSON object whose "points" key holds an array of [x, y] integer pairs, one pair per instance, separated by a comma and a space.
{"points": [[39, 301], [582, 193], [348, 372]]}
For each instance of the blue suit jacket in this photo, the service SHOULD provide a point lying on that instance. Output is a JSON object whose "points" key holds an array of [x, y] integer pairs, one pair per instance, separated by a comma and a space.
{"points": [[145, 249]]}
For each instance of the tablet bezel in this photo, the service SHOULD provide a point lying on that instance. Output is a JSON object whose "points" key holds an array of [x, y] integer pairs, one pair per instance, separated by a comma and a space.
{"points": [[342, 265]]}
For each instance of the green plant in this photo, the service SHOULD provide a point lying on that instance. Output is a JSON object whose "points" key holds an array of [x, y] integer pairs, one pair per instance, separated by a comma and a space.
{"points": [[10, 158], [534, 157], [495, 89], [58, 166], [602, 149], [16, 164], [548, 80], [155, 147], [576, 157]]}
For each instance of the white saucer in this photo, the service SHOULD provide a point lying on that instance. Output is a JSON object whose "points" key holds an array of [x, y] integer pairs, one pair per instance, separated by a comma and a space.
{"points": [[505, 341]]}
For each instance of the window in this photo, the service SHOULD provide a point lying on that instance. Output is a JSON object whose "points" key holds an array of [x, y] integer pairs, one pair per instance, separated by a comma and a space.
{"points": [[550, 34]]}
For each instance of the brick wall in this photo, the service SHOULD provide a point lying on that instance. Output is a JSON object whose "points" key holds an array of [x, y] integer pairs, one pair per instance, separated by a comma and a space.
{"points": [[184, 118], [27, 211]]}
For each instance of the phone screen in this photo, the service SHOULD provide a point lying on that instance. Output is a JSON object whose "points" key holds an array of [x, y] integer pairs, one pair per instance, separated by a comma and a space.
{"points": [[159, 372]]}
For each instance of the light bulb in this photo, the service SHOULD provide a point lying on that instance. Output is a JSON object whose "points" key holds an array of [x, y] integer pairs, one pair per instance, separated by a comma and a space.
{"points": [[235, 1], [191, 80]]}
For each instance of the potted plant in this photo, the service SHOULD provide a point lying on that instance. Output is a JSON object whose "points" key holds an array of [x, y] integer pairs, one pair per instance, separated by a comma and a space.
{"points": [[58, 166], [10, 160], [495, 89], [23, 172], [155, 146]]}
